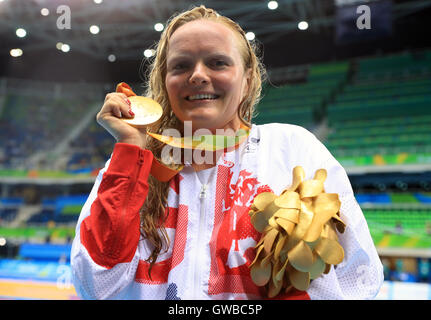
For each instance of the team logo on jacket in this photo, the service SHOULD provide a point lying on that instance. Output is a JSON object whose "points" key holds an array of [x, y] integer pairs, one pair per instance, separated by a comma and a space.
{"points": [[234, 237]]}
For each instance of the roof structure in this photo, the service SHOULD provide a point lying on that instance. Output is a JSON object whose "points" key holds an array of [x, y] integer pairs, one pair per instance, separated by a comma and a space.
{"points": [[127, 28]]}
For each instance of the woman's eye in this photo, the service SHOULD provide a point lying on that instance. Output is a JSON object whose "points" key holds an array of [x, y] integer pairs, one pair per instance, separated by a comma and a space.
{"points": [[179, 66], [220, 63]]}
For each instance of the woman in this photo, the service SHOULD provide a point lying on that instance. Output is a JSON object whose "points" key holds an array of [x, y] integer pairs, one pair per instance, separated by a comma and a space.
{"points": [[191, 238]]}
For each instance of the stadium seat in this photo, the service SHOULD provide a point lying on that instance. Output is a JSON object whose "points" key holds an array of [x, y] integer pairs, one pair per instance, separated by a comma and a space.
{"points": [[382, 115]]}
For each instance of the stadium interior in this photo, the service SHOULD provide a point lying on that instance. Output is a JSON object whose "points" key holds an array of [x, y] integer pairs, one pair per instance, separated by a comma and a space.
{"points": [[367, 99]]}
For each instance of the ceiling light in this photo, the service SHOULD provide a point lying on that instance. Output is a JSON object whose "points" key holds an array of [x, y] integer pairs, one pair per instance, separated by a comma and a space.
{"points": [[250, 36], [65, 47], [94, 29], [149, 53], [16, 52], [112, 58], [20, 32], [159, 27], [303, 25], [272, 5]]}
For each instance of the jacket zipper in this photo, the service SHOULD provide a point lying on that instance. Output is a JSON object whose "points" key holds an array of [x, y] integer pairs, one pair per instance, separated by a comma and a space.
{"points": [[133, 179], [200, 243]]}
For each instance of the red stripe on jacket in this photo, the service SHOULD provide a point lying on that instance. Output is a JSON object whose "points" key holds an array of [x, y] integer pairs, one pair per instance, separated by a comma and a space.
{"points": [[293, 295], [111, 232]]}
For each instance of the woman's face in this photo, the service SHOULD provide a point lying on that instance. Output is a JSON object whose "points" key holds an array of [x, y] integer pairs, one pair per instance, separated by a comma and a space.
{"points": [[205, 76]]}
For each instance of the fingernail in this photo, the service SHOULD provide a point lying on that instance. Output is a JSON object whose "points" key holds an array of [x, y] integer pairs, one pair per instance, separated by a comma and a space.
{"points": [[128, 102], [131, 112]]}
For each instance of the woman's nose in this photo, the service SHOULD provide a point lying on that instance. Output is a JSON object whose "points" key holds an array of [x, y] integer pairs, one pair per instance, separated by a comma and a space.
{"points": [[199, 74]]}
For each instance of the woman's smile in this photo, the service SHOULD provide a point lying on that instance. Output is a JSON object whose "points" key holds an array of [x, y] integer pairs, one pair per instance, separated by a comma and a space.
{"points": [[202, 97]]}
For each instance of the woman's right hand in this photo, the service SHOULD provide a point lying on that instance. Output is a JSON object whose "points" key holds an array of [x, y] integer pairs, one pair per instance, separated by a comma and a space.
{"points": [[115, 107]]}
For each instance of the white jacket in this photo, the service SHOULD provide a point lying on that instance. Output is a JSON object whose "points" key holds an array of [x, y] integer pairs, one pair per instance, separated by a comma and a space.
{"points": [[211, 237]]}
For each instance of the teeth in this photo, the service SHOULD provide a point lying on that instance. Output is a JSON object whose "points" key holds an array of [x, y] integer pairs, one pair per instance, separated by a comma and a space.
{"points": [[202, 96]]}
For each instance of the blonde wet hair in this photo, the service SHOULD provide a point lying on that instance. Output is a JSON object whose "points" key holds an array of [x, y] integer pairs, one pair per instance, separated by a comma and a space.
{"points": [[153, 211]]}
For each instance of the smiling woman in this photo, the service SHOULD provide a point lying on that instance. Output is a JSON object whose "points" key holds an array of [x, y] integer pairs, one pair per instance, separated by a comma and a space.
{"points": [[206, 78], [197, 235]]}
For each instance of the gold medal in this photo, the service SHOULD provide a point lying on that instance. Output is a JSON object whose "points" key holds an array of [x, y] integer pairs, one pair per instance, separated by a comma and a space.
{"points": [[146, 110]]}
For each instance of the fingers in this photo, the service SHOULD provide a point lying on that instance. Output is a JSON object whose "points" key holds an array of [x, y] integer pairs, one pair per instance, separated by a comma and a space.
{"points": [[118, 105], [116, 94]]}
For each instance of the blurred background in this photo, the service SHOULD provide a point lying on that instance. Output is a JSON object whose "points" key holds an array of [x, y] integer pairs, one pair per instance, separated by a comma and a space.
{"points": [[358, 77]]}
